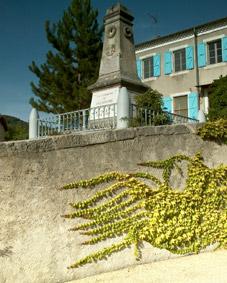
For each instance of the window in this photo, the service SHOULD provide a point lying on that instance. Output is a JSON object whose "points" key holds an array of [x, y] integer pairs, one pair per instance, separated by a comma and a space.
{"points": [[214, 52], [148, 67], [180, 105], [179, 60]]}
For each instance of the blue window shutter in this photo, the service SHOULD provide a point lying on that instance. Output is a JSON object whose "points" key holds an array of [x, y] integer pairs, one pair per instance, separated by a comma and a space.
{"points": [[167, 103], [189, 58], [224, 49], [201, 54], [193, 106], [168, 63], [139, 68], [157, 65]]}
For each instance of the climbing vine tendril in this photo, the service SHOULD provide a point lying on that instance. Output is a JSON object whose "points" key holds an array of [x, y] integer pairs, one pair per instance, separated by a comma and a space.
{"points": [[181, 222]]}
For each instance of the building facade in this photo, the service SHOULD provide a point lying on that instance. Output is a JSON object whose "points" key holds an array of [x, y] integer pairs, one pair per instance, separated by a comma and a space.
{"points": [[182, 66]]}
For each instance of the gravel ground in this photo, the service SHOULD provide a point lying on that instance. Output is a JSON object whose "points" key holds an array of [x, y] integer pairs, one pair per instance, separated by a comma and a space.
{"points": [[210, 267]]}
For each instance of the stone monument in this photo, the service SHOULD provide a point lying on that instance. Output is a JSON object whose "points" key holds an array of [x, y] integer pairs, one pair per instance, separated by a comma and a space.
{"points": [[118, 62]]}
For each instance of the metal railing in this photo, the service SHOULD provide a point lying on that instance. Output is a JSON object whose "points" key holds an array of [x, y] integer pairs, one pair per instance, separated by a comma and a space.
{"points": [[149, 117], [103, 117], [178, 119]]}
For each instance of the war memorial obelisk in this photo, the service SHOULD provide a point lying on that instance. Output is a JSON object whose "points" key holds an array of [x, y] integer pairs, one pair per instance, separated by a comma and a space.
{"points": [[118, 62]]}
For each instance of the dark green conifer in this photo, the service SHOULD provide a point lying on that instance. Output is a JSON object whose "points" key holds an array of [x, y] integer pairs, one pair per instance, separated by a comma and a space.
{"points": [[73, 62]]}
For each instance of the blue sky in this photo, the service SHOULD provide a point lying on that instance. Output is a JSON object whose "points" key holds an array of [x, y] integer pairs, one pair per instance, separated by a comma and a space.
{"points": [[22, 36]]}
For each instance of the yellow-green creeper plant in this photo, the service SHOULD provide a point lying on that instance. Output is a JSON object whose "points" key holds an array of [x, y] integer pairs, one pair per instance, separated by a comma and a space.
{"points": [[214, 131], [180, 221]]}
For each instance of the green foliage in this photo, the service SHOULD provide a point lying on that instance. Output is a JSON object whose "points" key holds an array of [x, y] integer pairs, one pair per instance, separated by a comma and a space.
{"points": [[73, 62], [214, 130], [149, 109], [218, 99], [151, 99], [179, 221], [17, 129]]}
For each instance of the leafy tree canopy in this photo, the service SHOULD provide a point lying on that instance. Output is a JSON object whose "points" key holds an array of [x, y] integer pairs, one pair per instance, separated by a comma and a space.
{"points": [[218, 99], [151, 99], [73, 62], [146, 103]]}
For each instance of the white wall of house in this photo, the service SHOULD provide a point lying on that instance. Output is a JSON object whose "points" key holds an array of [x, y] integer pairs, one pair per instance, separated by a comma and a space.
{"points": [[184, 82]]}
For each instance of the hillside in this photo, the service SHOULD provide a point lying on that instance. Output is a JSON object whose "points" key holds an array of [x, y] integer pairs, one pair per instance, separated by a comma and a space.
{"points": [[17, 129]]}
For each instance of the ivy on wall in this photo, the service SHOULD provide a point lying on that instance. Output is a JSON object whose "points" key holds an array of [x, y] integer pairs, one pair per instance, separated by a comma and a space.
{"points": [[179, 221]]}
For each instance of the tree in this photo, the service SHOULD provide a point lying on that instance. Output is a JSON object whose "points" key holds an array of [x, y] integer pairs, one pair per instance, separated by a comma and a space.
{"points": [[218, 99], [74, 62], [17, 129], [151, 99], [149, 109]]}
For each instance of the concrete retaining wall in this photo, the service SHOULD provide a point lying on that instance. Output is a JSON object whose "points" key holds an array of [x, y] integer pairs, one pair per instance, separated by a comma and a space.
{"points": [[35, 245], [209, 267]]}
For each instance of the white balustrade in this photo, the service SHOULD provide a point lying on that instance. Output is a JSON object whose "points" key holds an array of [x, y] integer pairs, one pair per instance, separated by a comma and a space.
{"points": [[102, 117]]}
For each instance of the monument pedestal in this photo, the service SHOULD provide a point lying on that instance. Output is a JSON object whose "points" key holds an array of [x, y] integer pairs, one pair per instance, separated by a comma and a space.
{"points": [[105, 96], [118, 62], [104, 108]]}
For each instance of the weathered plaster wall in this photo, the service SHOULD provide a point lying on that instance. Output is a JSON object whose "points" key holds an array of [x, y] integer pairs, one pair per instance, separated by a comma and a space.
{"points": [[35, 245]]}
